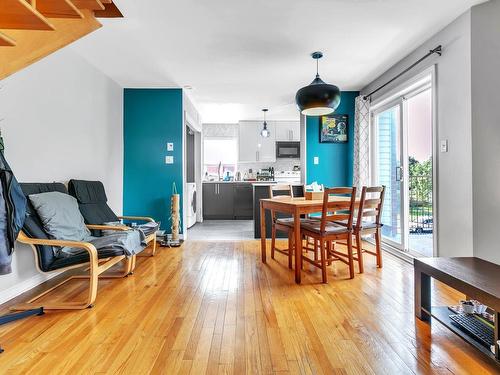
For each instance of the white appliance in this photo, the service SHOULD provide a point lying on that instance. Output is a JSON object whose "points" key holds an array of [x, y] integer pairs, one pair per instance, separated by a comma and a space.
{"points": [[191, 196], [287, 177]]}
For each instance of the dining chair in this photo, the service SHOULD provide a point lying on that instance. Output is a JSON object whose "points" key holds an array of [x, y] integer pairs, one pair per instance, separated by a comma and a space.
{"points": [[281, 224], [369, 221], [327, 229]]}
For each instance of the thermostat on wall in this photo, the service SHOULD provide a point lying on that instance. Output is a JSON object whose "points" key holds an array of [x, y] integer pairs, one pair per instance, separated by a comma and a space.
{"points": [[169, 160]]}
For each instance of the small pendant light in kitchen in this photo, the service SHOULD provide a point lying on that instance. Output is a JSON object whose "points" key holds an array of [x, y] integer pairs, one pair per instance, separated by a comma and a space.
{"points": [[265, 132], [319, 98]]}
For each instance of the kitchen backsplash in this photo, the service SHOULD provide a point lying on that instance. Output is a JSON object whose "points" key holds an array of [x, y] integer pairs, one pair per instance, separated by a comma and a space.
{"points": [[279, 165], [220, 130]]}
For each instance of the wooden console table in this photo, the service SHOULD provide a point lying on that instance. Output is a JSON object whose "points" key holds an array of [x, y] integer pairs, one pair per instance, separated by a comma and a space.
{"points": [[476, 278]]}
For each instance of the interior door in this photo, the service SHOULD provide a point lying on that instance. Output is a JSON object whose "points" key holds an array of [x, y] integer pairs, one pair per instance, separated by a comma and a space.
{"points": [[388, 170]]}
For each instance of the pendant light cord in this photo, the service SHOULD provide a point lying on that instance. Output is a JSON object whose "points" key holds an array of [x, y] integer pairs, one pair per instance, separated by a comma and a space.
{"points": [[317, 68]]}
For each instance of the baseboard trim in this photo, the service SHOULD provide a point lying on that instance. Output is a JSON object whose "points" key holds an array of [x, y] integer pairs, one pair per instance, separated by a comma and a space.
{"points": [[408, 258], [24, 286]]}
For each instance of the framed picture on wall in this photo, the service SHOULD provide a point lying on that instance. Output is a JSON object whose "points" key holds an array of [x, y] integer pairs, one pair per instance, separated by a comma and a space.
{"points": [[333, 128]]}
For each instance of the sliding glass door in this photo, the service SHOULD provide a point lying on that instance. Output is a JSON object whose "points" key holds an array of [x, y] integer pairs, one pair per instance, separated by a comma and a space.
{"points": [[387, 160], [402, 161]]}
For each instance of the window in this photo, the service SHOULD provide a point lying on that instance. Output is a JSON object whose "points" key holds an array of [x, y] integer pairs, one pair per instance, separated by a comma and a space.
{"points": [[220, 150]]}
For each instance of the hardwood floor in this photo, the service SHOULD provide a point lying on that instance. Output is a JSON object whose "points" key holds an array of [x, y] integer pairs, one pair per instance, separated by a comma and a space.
{"points": [[213, 307]]}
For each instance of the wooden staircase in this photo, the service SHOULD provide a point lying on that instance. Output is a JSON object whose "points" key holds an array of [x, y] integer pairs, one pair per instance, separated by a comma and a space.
{"points": [[33, 29]]}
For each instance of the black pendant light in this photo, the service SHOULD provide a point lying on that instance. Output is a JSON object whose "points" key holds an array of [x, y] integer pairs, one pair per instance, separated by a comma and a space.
{"points": [[319, 98], [265, 132]]}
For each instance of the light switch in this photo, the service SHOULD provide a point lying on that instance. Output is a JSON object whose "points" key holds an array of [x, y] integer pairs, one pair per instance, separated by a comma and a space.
{"points": [[444, 145], [169, 160], [170, 146], [316, 160]]}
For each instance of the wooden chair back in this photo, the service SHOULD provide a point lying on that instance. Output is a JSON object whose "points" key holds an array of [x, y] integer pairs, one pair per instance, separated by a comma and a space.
{"points": [[280, 190], [338, 209], [370, 205]]}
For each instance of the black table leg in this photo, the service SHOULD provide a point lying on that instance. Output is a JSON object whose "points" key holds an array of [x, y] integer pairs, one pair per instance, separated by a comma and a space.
{"points": [[20, 315], [497, 335], [422, 295]]}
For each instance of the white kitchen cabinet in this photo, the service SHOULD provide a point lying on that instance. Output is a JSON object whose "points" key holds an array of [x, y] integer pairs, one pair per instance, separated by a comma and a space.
{"points": [[287, 131], [252, 146]]}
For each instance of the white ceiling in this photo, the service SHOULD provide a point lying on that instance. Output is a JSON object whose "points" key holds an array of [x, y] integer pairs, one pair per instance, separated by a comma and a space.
{"points": [[242, 55]]}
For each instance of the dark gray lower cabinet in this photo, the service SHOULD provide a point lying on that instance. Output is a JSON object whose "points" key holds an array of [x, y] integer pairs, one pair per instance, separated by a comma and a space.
{"points": [[243, 201], [218, 201]]}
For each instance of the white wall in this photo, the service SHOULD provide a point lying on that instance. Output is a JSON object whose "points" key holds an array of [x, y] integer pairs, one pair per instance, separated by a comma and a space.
{"points": [[62, 119], [454, 169], [486, 128]]}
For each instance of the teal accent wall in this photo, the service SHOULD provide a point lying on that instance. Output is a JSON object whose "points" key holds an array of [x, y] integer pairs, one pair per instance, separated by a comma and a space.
{"points": [[335, 159], [152, 117]]}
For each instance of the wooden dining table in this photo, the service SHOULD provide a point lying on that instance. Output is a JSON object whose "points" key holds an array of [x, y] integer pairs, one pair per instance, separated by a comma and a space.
{"points": [[296, 207]]}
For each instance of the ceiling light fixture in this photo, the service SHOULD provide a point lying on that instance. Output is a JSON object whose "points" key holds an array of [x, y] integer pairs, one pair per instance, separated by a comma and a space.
{"points": [[265, 132], [318, 98]]}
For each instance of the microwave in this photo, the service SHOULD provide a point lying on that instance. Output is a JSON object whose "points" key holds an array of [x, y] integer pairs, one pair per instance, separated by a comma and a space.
{"points": [[288, 150]]}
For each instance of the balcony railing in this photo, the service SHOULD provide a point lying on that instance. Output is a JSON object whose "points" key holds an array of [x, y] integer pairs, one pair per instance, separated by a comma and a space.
{"points": [[421, 216]]}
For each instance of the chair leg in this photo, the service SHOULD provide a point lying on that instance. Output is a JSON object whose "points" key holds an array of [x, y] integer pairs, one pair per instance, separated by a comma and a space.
{"points": [[316, 250], [273, 241], [378, 246], [322, 246], [359, 244], [153, 250], [351, 259], [91, 296], [291, 248], [329, 252]]}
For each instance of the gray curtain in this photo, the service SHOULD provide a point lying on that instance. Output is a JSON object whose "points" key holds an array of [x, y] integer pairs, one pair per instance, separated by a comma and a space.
{"points": [[361, 173]]}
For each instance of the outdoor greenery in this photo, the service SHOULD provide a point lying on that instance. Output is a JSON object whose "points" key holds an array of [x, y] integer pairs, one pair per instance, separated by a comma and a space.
{"points": [[420, 183]]}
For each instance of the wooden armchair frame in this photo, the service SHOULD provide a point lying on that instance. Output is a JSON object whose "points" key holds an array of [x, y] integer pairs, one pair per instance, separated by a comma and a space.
{"points": [[149, 239], [95, 267]]}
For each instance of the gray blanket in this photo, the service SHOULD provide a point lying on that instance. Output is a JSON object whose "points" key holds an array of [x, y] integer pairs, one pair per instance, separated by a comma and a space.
{"points": [[132, 242]]}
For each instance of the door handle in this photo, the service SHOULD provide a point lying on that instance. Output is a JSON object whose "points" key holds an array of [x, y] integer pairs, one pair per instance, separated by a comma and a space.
{"points": [[257, 155], [399, 173]]}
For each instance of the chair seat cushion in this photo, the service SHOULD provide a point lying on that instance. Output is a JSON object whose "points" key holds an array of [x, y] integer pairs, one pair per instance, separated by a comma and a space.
{"points": [[83, 257], [288, 221], [364, 224], [330, 227]]}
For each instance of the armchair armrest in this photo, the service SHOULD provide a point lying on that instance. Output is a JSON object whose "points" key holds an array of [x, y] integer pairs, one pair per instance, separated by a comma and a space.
{"points": [[23, 238], [108, 227], [138, 218]]}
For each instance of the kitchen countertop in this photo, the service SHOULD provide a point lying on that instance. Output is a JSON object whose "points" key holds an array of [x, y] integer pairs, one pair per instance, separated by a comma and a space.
{"points": [[259, 183], [267, 183], [235, 182]]}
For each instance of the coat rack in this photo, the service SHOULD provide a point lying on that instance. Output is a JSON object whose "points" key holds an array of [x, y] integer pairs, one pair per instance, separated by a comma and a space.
{"points": [[23, 314]]}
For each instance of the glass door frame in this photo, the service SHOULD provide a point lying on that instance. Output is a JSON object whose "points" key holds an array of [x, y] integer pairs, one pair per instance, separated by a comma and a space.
{"points": [[398, 97], [396, 103]]}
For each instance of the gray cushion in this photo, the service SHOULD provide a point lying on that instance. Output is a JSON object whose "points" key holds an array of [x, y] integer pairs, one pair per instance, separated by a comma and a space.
{"points": [[289, 221], [364, 224], [330, 228], [60, 216], [285, 221]]}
